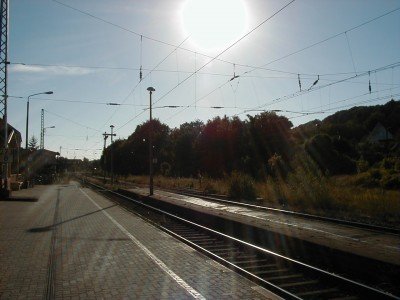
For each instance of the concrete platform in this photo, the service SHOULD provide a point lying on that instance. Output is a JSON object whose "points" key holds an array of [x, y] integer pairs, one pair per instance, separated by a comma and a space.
{"points": [[76, 244], [363, 242]]}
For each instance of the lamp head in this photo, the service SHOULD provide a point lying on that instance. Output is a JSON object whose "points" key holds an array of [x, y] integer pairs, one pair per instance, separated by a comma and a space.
{"points": [[151, 89], [49, 93]]}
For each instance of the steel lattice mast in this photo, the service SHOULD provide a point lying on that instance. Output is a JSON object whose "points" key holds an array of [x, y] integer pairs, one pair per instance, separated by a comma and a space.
{"points": [[3, 85], [42, 129]]}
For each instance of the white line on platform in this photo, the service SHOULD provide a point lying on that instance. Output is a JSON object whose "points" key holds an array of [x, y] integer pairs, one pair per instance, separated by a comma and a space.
{"points": [[180, 281]]}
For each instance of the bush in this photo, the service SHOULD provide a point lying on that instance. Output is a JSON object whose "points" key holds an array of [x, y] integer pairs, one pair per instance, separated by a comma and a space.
{"points": [[165, 169], [241, 186], [391, 164], [391, 181], [321, 150], [362, 166]]}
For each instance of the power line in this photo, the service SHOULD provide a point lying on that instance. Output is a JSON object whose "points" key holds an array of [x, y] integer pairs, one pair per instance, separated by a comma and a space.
{"points": [[331, 37], [300, 50], [72, 121], [214, 58], [296, 94], [354, 104], [130, 120], [218, 59], [187, 72], [77, 101], [354, 97], [226, 49], [145, 36]]}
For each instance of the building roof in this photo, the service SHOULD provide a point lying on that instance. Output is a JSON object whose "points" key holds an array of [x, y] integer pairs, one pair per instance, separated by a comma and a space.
{"points": [[379, 134], [14, 136]]}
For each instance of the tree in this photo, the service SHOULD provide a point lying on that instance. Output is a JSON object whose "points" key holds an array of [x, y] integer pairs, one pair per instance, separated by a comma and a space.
{"points": [[185, 155], [33, 143], [220, 146], [268, 135], [322, 150]]}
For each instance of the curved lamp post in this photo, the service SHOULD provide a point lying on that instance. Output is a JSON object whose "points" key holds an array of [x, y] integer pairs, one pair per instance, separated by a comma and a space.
{"points": [[44, 131], [27, 114]]}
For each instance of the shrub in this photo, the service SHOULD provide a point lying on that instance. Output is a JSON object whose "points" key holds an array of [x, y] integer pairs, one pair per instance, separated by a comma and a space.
{"points": [[391, 181], [165, 169], [241, 186], [362, 165], [391, 164]]}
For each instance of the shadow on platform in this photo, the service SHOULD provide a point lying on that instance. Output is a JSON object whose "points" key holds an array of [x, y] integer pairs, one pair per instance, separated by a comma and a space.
{"points": [[53, 226], [20, 199]]}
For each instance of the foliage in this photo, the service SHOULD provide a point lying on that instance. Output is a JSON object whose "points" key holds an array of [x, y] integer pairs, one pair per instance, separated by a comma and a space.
{"points": [[241, 186], [33, 143], [263, 147], [322, 149]]}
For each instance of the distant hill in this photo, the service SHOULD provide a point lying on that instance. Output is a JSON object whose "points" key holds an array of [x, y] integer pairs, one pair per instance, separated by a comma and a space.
{"points": [[354, 124]]}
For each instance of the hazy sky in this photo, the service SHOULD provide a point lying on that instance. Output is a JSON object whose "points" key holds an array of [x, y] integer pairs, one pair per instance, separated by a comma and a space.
{"points": [[59, 48]]}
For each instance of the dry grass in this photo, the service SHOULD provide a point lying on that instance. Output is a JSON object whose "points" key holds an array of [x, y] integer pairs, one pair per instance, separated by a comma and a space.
{"points": [[336, 197], [207, 185], [326, 197]]}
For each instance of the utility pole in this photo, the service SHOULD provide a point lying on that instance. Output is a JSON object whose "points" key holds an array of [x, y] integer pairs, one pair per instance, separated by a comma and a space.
{"points": [[151, 186], [112, 155], [3, 90], [105, 136]]}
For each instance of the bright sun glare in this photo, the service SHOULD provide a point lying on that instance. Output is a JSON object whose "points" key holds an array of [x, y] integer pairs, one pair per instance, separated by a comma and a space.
{"points": [[214, 24]]}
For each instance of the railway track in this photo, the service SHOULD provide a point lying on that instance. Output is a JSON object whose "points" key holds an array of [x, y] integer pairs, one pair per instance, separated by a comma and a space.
{"points": [[225, 200], [287, 277]]}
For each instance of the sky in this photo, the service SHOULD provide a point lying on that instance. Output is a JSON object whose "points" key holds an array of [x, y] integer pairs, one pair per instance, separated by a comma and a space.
{"points": [[207, 57]]}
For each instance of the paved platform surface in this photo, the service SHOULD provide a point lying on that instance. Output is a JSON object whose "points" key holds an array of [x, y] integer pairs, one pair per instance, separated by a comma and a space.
{"points": [[75, 244], [367, 243]]}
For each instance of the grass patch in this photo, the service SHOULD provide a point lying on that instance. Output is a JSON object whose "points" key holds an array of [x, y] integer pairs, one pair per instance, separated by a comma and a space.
{"points": [[303, 191]]}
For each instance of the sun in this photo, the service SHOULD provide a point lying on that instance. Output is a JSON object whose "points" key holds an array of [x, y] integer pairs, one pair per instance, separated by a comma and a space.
{"points": [[214, 24]]}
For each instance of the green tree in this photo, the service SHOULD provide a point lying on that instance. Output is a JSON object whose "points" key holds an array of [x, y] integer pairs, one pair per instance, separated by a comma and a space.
{"points": [[33, 143]]}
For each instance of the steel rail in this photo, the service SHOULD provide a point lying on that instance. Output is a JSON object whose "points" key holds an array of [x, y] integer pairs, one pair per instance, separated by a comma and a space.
{"points": [[355, 286]]}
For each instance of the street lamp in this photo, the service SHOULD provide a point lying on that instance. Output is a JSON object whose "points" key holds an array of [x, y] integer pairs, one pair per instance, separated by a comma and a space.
{"points": [[44, 130], [27, 114], [151, 90]]}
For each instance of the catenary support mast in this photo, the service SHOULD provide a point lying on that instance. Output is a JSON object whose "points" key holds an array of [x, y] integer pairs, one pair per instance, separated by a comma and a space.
{"points": [[3, 90]]}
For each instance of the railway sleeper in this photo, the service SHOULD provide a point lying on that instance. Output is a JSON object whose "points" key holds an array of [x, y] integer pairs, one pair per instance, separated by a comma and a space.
{"points": [[274, 271], [321, 293], [250, 262], [284, 278], [259, 266], [210, 243]]}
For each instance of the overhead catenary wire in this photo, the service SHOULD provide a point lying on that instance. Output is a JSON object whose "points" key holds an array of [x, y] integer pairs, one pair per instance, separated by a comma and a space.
{"points": [[296, 94], [72, 121], [141, 58], [226, 49], [77, 101], [351, 53], [379, 98], [218, 59], [303, 49], [300, 88], [130, 120], [139, 34], [332, 36], [214, 58], [292, 95]]}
